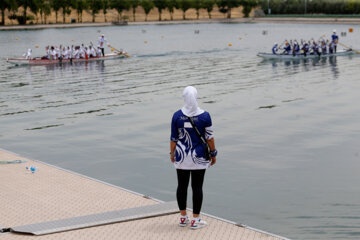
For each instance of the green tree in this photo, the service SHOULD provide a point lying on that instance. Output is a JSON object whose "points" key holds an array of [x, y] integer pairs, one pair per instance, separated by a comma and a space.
{"points": [[95, 6], [32, 4], [225, 6], [6, 4], [147, 5], [120, 6], [66, 8], [160, 5], [56, 5], [105, 6], [197, 4], [209, 6], [80, 6], [134, 5], [247, 6], [44, 10], [171, 5], [184, 5]]}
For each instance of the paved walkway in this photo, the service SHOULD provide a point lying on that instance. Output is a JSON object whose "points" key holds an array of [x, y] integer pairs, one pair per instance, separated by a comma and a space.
{"points": [[52, 193]]}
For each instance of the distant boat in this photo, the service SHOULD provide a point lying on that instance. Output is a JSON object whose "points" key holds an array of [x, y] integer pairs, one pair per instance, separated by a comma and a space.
{"points": [[301, 56], [39, 61]]}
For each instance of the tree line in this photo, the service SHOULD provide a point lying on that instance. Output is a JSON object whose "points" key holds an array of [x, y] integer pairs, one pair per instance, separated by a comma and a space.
{"points": [[311, 6], [45, 7]]}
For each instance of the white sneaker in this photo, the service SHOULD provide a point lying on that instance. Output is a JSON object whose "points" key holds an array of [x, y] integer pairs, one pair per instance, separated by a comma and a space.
{"points": [[184, 220], [197, 223]]}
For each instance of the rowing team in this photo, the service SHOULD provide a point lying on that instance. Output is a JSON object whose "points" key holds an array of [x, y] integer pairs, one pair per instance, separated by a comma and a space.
{"points": [[53, 53], [312, 47], [76, 52]]}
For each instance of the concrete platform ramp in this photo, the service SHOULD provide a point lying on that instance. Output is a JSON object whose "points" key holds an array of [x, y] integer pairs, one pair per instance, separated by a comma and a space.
{"points": [[98, 219]]}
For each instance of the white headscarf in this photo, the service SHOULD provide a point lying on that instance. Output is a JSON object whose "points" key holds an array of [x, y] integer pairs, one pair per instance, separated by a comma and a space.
{"points": [[191, 108]]}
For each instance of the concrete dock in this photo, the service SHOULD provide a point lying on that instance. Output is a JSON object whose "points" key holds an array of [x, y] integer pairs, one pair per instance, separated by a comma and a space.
{"points": [[52, 193]]}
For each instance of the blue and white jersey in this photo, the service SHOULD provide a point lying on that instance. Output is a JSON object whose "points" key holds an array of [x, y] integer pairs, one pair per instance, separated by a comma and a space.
{"points": [[334, 38], [297, 48], [287, 49], [190, 153], [274, 49]]}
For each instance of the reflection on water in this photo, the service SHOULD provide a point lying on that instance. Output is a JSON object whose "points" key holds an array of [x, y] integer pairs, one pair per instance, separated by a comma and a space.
{"points": [[83, 66], [287, 133], [293, 65], [76, 66]]}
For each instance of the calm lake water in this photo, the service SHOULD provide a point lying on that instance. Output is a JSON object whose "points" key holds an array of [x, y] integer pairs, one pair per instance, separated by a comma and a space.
{"points": [[288, 133]]}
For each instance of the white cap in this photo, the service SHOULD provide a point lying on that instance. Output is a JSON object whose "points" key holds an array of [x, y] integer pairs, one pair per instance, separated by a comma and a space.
{"points": [[334, 30], [275, 43], [102, 35]]}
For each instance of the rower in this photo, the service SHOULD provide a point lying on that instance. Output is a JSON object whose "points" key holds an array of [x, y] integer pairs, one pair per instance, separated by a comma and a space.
{"points": [[28, 54], [52, 53], [296, 48], [64, 53], [335, 40], [101, 44], [82, 51], [275, 48], [72, 50], [323, 47], [315, 48], [305, 48], [287, 48], [47, 53], [69, 52], [76, 52], [331, 47], [98, 52], [86, 51], [59, 52], [92, 52]]}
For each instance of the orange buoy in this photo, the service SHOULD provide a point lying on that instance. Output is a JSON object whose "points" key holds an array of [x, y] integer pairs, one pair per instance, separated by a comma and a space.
{"points": [[36, 46], [230, 45], [16, 38], [351, 30]]}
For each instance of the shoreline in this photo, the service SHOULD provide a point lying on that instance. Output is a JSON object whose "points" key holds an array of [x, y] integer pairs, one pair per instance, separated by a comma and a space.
{"points": [[285, 20]]}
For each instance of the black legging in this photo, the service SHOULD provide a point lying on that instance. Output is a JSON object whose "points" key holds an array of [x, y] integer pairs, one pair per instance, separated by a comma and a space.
{"points": [[197, 180]]}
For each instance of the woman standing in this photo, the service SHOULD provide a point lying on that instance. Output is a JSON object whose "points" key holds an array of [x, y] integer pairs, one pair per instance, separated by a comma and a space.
{"points": [[191, 128]]}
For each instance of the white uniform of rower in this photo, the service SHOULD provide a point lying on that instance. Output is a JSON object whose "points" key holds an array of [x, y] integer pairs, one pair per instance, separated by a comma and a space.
{"points": [[65, 53], [28, 54], [101, 43], [53, 54], [69, 53], [57, 52], [76, 53], [92, 52], [98, 52], [82, 52], [48, 52]]}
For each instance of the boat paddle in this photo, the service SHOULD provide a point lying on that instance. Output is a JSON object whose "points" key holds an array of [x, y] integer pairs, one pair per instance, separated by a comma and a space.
{"points": [[357, 52], [121, 52]]}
